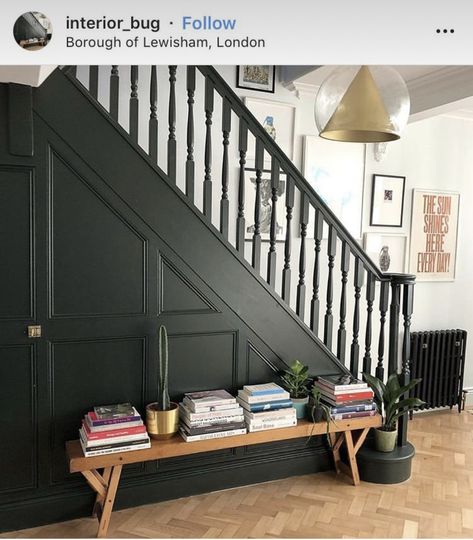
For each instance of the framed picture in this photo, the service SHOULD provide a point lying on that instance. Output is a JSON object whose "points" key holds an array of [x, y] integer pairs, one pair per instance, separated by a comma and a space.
{"points": [[260, 78], [434, 229], [388, 251], [278, 120], [387, 200], [336, 172], [266, 206]]}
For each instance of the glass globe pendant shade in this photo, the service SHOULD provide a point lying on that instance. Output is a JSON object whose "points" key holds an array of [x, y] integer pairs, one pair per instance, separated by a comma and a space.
{"points": [[365, 104]]}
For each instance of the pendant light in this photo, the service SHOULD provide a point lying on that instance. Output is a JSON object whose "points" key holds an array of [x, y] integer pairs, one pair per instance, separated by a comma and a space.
{"points": [[362, 104]]}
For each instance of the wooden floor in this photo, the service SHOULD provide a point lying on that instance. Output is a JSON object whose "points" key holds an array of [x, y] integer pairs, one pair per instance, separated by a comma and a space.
{"points": [[436, 502]]}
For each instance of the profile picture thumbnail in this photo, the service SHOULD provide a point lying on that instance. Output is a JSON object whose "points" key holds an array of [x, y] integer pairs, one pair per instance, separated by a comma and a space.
{"points": [[32, 31]]}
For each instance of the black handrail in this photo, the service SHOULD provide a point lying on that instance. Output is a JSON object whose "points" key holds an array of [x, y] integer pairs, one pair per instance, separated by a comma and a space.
{"points": [[288, 167]]}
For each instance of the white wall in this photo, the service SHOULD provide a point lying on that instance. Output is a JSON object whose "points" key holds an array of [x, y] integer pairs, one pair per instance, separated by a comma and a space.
{"points": [[433, 153], [436, 154]]}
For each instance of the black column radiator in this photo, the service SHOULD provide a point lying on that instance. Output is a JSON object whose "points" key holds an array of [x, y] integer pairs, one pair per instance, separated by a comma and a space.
{"points": [[438, 358]]}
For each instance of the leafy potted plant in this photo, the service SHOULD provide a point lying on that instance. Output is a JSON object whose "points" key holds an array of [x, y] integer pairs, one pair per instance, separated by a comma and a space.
{"points": [[391, 407], [318, 409], [295, 380], [162, 417]]}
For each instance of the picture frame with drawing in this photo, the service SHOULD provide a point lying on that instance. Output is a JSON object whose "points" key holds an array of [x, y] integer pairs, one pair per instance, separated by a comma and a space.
{"points": [[266, 206], [387, 251], [387, 200], [258, 78]]}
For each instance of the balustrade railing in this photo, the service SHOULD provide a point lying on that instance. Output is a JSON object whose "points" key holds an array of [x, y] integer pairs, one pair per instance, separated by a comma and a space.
{"points": [[331, 267]]}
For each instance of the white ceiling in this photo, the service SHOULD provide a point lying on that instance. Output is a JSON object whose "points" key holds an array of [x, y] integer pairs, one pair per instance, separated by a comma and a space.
{"points": [[442, 82]]}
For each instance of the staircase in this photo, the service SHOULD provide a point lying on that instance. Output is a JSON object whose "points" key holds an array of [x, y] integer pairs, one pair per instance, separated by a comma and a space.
{"points": [[161, 196], [233, 135]]}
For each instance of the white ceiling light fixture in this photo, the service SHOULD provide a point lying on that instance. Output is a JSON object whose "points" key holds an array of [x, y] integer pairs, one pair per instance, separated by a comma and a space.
{"points": [[366, 104]]}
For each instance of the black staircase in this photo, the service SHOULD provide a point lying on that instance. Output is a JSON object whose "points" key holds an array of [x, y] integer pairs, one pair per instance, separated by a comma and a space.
{"points": [[390, 293]]}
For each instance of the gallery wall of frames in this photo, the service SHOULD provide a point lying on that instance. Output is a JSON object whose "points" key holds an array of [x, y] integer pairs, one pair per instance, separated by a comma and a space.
{"points": [[406, 202]]}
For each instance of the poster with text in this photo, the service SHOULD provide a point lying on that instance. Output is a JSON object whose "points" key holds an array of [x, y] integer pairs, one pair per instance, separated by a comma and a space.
{"points": [[434, 228]]}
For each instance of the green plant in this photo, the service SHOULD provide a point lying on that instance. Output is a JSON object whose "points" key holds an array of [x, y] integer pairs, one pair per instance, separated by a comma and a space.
{"points": [[164, 402], [316, 403], [295, 380], [388, 398]]}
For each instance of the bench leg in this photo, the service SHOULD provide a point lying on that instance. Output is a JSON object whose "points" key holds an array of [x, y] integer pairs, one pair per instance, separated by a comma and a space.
{"points": [[352, 449], [105, 486]]}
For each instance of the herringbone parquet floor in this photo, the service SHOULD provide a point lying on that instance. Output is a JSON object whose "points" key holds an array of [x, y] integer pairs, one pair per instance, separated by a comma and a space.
{"points": [[436, 502]]}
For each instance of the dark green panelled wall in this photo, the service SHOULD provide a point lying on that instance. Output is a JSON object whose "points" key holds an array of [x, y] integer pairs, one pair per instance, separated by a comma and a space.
{"points": [[92, 251]]}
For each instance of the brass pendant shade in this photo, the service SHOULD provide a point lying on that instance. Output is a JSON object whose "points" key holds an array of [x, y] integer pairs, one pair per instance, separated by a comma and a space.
{"points": [[357, 105]]}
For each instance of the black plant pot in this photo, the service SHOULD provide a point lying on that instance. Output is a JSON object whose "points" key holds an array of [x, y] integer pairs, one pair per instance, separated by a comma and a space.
{"points": [[318, 414]]}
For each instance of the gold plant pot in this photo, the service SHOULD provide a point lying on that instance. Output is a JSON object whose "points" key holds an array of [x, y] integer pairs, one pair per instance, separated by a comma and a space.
{"points": [[162, 424]]}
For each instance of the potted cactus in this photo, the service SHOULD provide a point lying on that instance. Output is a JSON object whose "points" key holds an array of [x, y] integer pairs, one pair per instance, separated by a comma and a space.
{"points": [[162, 416]]}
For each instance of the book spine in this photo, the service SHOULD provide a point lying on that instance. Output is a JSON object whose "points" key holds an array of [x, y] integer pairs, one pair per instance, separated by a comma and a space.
{"points": [[281, 396], [347, 397], [273, 418], [271, 425], [346, 416], [109, 445], [195, 405], [114, 440], [215, 408], [336, 387], [212, 421], [213, 429], [209, 436], [262, 389], [354, 408], [258, 407], [92, 453], [346, 390], [212, 415], [114, 421], [93, 435], [110, 427]]}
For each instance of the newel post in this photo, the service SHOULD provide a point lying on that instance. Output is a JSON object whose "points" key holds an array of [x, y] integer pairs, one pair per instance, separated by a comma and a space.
{"points": [[402, 287]]}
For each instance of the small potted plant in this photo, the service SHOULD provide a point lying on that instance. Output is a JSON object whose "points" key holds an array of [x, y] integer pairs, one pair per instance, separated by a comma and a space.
{"points": [[318, 409], [296, 380], [162, 417], [391, 407]]}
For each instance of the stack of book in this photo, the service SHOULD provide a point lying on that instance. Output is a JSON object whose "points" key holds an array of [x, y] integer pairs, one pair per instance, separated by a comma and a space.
{"points": [[266, 406], [210, 414], [346, 400], [113, 428]]}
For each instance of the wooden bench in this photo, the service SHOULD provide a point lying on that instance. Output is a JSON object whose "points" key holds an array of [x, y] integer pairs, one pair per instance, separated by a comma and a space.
{"points": [[105, 484]]}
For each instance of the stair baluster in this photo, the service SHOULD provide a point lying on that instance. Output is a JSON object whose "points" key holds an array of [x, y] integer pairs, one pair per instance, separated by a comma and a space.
{"points": [[224, 204], [172, 124], [134, 104], [286, 273], [209, 107], [271, 270], [242, 148], [259, 163], [355, 346], [331, 253], [114, 92], [370, 293], [342, 332], [315, 302], [407, 309], [304, 220], [94, 81], [383, 308], [190, 164], [153, 116]]}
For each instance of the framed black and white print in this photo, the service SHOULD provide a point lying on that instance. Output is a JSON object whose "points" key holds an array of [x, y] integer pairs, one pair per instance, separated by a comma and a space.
{"points": [[260, 78], [266, 206], [387, 200]]}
